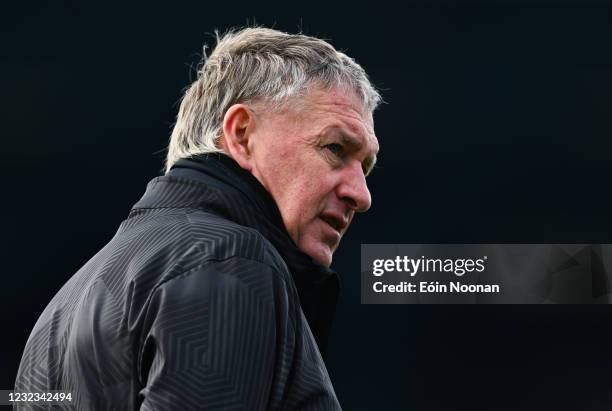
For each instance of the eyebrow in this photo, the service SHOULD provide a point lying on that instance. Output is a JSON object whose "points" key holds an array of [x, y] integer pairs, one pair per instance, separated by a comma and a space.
{"points": [[356, 144]]}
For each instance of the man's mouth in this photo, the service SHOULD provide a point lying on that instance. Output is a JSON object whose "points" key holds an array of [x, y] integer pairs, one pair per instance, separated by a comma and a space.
{"points": [[337, 222]]}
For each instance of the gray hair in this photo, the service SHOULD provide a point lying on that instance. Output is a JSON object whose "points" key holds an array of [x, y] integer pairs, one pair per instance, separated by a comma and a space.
{"points": [[258, 65]]}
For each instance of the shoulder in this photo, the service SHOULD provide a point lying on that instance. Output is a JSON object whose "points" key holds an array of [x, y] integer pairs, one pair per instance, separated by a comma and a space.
{"points": [[221, 239], [179, 241], [226, 262], [188, 227], [232, 279]]}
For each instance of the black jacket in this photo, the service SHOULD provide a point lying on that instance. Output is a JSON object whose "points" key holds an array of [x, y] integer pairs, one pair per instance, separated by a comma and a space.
{"points": [[200, 301]]}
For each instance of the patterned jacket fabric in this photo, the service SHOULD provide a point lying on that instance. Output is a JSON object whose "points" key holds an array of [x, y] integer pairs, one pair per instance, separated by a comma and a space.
{"points": [[201, 300]]}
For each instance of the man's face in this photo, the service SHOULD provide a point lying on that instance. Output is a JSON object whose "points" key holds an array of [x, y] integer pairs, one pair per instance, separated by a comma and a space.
{"points": [[313, 157]]}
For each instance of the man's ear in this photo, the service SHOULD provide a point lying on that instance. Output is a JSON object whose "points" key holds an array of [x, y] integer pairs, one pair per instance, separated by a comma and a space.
{"points": [[238, 127]]}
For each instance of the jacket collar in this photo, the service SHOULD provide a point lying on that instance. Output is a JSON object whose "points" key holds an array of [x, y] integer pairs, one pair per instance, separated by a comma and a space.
{"points": [[217, 184]]}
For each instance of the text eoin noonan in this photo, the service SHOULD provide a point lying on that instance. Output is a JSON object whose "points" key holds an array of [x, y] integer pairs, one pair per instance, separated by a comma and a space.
{"points": [[413, 266]]}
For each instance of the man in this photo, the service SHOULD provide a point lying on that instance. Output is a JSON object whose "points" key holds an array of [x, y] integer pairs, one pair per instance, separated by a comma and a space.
{"points": [[215, 293]]}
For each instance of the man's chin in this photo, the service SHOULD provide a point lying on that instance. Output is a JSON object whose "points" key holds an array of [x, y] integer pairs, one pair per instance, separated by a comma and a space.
{"points": [[320, 252]]}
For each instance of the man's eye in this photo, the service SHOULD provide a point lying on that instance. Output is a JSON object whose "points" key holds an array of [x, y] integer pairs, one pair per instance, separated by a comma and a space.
{"points": [[335, 148]]}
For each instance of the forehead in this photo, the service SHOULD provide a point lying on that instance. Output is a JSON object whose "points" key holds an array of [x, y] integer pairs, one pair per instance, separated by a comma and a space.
{"points": [[339, 111]]}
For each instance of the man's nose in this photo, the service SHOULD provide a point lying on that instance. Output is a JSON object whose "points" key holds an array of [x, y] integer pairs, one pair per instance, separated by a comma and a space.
{"points": [[353, 189]]}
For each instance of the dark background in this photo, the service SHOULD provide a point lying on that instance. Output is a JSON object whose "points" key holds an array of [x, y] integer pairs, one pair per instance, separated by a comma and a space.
{"points": [[497, 129]]}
